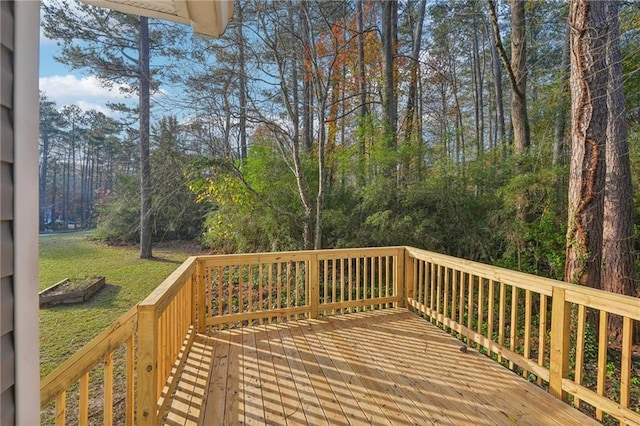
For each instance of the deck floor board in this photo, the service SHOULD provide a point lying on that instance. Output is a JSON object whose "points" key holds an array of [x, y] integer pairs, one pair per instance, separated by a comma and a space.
{"points": [[380, 367]]}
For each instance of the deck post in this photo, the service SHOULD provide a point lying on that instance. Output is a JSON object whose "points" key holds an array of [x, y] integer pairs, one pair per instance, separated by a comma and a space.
{"points": [[314, 287], [147, 365], [399, 280], [408, 277], [560, 331], [200, 305]]}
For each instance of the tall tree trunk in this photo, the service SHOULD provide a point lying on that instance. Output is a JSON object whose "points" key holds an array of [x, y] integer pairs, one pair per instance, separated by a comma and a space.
{"points": [[74, 186], [618, 263], [362, 77], [560, 122], [412, 101], [478, 98], [588, 24], [517, 70], [242, 82], [307, 80], [66, 182], [389, 46], [54, 191], [501, 139], [519, 117], [145, 162], [43, 179]]}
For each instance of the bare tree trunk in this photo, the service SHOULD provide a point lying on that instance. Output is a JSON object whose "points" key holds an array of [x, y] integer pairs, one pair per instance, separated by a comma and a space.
{"points": [[43, 180], [519, 117], [307, 88], [477, 83], [242, 83], [517, 70], [587, 21], [362, 77], [497, 84], [389, 46], [560, 123], [618, 266], [412, 97], [145, 163]]}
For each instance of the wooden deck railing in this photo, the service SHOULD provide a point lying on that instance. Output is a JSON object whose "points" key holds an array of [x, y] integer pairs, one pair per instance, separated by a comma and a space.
{"points": [[166, 320], [75, 371], [535, 326], [253, 288]]}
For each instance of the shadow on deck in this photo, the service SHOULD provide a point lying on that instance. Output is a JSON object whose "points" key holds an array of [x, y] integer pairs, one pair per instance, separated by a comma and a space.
{"points": [[378, 367]]}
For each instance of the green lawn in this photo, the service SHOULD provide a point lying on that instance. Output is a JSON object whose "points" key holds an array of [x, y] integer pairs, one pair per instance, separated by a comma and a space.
{"points": [[65, 329]]}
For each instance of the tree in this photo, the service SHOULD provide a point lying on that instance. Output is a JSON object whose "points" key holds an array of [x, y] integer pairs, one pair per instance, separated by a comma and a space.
{"points": [[389, 51], [600, 230], [145, 164], [51, 122], [517, 71], [618, 257], [105, 42]]}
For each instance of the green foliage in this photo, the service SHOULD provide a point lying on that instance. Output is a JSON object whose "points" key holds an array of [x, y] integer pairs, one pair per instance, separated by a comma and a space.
{"points": [[534, 220], [257, 205], [175, 214], [119, 212]]}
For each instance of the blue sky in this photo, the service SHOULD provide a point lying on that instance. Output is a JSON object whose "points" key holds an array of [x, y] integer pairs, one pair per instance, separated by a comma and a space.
{"points": [[67, 87]]}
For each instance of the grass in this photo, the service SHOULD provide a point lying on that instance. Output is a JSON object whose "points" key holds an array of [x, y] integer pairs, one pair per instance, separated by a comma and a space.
{"points": [[65, 329]]}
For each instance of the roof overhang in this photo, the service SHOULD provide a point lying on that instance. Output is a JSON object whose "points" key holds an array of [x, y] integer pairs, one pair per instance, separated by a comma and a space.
{"points": [[208, 17]]}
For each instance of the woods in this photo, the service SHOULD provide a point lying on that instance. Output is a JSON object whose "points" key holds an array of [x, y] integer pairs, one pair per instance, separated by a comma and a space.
{"points": [[360, 123]]}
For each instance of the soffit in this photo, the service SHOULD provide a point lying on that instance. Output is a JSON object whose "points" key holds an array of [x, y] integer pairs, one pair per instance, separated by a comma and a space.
{"points": [[208, 17]]}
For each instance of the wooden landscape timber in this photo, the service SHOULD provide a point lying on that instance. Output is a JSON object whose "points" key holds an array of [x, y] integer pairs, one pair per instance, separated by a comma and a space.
{"points": [[204, 321]]}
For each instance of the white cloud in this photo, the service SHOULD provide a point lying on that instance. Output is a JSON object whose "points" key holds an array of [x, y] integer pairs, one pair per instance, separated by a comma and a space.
{"points": [[86, 92]]}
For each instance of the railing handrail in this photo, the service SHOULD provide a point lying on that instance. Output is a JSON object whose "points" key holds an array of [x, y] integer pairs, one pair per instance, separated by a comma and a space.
{"points": [[161, 296], [614, 303], [88, 356]]}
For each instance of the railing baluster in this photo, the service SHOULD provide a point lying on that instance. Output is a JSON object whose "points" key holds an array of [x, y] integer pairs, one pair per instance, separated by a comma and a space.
{"points": [[314, 278], [542, 332], [470, 310], [625, 367], [130, 366], [372, 280], [454, 294], [358, 286], [480, 321], [108, 389], [603, 343], [490, 309], [501, 319], [202, 315], [61, 409], [230, 289], [560, 326], [248, 288], [513, 329], [83, 405], [342, 284], [260, 287], [580, 336], [432, 290], [380, 279], [527, 329], [461, 303]]}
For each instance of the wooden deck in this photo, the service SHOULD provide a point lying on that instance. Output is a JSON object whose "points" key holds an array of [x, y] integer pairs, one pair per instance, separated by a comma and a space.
{"points": [[386, 367]]}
